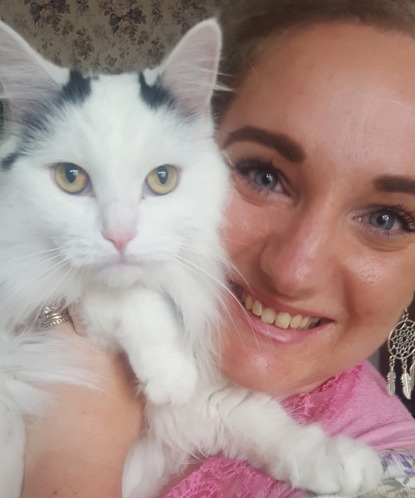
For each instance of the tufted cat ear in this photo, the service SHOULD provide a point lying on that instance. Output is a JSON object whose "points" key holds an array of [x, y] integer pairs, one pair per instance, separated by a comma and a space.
{"points": [[190, 71], [25, 77]]}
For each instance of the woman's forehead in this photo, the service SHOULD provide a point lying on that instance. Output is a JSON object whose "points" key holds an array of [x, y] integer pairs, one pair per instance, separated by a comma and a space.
{"points": [[356, 96], [328, 47]]}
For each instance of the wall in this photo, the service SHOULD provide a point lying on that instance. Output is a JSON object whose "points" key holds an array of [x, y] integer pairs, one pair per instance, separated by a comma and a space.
{"points": [[105, 35]]}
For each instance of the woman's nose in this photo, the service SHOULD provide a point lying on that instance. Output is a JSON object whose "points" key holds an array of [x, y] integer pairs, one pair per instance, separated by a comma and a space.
{"points": [[300, 258]]}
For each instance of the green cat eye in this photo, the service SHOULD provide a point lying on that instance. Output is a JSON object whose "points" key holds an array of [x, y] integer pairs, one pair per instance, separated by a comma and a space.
{"points": [[163, 179], [70, 177]]}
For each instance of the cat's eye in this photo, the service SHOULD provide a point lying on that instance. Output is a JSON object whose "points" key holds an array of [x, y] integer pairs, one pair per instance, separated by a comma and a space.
{"points": [[71, 178], [163, 179]]}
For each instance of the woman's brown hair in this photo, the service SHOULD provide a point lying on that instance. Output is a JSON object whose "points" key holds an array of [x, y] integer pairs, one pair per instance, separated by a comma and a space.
{"points": [[251, 22]]}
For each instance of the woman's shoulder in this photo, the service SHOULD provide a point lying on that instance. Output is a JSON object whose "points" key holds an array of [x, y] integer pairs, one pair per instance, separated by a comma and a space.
{"points": [[355, 403], [380, 420]]}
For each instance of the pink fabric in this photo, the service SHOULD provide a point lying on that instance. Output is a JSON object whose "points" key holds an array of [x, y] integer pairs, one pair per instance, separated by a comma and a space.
{"points": [[354, 403], [222, 478]]}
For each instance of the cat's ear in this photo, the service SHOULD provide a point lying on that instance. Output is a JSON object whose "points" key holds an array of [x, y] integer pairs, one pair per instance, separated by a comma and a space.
{"points": [[190, 71], [25, 77]]}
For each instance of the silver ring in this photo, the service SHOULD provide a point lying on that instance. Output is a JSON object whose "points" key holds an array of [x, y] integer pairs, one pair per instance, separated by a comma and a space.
{"points": [[53, 315]]}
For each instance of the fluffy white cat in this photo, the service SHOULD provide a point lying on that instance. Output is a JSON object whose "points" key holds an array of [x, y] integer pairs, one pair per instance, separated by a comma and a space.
{"points": [[111, 199]]}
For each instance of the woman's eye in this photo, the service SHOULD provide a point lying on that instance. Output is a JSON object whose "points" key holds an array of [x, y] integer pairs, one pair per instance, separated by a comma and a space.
{"points": [[265, 179], [384, 220], [163, 179], [71, 178], [391, 220], [260, 175]]}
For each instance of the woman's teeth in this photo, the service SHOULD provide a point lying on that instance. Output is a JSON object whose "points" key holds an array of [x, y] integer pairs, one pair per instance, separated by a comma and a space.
{"points": [[282, 319]]}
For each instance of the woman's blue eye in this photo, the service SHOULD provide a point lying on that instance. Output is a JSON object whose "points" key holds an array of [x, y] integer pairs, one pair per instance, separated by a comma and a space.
{"points": [[383, 220], [260, 175], [265, 179], [393, 219]]}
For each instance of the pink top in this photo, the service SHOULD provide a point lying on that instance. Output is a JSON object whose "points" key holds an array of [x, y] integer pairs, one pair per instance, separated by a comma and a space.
{"points": [[354, 403]]}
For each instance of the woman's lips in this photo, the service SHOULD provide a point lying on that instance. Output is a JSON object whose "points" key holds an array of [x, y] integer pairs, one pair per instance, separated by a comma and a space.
{"points": [[281, 326]]}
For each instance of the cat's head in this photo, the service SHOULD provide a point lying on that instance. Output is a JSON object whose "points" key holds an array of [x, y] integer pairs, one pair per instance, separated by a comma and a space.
{"points": [[111, 178]]}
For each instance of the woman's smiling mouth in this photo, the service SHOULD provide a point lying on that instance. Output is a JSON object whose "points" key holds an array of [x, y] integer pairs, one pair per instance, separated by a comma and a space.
{"points": [[278, 325]]}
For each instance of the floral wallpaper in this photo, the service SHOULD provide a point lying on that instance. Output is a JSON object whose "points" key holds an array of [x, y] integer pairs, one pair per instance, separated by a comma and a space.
{"points": [[105, 35]]}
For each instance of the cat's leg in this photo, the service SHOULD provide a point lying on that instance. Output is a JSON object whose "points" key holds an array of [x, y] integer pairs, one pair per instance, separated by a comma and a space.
{"points": [[12, 445], [257, 429], [146, 326], [158, 353]]}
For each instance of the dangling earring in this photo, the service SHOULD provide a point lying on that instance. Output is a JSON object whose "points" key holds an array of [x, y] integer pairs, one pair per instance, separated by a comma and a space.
{"points": [[401, 346]]}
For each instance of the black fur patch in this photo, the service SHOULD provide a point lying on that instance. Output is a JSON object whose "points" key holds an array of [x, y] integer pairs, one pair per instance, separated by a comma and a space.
{"points": [[36, 119], [77, 89], [155, 96], [9, 160]]}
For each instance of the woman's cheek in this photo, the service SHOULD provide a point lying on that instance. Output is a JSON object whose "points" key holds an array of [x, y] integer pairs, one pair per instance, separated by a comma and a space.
{"points": [[245, 225]]}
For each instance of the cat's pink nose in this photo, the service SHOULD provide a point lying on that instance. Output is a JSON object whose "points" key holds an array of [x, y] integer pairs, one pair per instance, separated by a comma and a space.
{"points": [[120, 239]]}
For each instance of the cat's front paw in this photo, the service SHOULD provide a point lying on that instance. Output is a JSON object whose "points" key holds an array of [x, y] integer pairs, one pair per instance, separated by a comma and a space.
{"points": [[173, 385], [341, 466]]}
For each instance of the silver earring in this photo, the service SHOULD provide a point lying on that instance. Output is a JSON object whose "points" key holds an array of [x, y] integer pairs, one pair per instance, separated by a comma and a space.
{"points": [[401, 347]]}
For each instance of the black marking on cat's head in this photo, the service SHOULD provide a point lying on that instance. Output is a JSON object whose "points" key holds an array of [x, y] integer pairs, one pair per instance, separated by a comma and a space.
{"points": [[9, 160], [36, 120], [155, 96], [77, 89]]}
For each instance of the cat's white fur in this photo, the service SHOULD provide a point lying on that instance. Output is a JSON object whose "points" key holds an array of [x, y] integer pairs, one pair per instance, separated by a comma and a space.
{"points": [[159, 300]]}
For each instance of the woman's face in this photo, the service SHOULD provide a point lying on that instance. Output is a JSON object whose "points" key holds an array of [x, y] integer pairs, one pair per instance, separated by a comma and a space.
{"points": [[321, 225]]}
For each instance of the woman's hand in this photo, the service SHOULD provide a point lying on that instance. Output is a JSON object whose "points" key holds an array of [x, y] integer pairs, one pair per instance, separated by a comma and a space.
{"points": [[79, 446]]}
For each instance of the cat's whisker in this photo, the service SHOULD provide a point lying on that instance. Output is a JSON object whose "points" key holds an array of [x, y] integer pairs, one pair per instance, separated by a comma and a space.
{"points": [[227, 264], [230, 267], [206, 275], [22, 269], [11, 296], [200, 271], [46, 251], [28, 257], [241, 243], [212, 254], [71, 272]]}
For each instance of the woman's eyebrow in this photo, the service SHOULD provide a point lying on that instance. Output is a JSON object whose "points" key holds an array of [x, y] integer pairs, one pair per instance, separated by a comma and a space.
{"points": [[395, 184], [287, 147]]}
